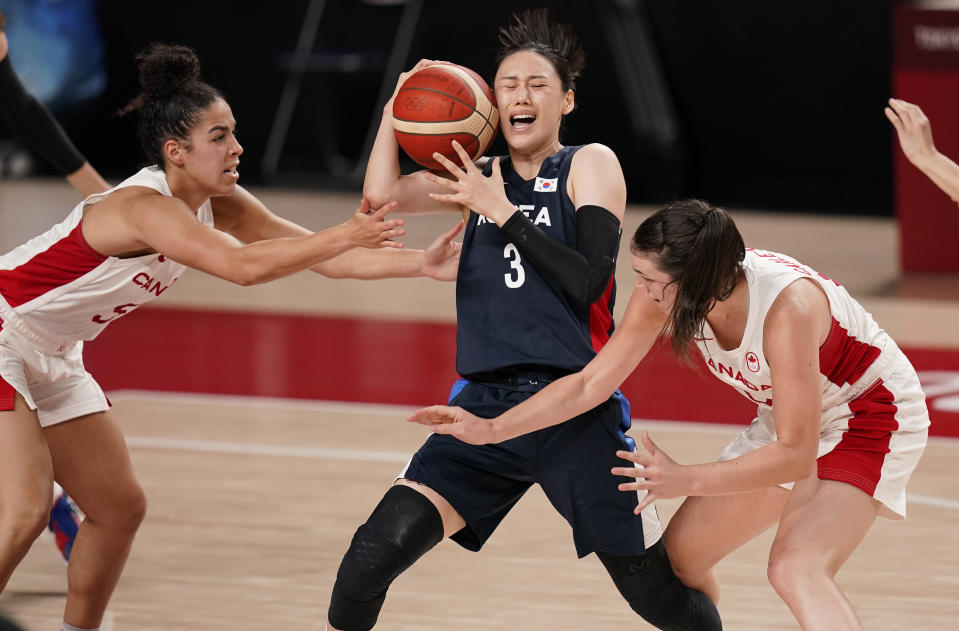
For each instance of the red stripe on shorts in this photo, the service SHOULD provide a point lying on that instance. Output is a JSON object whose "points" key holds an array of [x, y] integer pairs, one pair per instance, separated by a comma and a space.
{"points": [[7, 395], [858, 458]]}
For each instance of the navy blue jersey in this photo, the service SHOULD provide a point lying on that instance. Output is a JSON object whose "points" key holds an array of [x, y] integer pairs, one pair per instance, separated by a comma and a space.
{"points": [[507, 313]]}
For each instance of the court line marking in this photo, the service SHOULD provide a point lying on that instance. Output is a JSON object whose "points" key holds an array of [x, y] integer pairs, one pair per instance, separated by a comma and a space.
{"points": [[323, 453]]}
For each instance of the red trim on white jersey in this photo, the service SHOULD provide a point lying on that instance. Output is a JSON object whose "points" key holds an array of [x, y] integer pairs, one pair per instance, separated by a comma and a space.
{"points": [[63, 262], [843, 358], [55, 290]]}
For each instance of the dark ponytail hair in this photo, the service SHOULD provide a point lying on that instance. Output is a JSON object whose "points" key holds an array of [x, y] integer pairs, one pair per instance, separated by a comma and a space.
{"points": [[533, 30], [700, 248], [172, 97]]}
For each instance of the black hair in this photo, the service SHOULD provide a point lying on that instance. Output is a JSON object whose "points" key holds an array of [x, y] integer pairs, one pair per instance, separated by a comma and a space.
{"points": [[3, 22], [533, 30], [700, 248], [172, 97]]}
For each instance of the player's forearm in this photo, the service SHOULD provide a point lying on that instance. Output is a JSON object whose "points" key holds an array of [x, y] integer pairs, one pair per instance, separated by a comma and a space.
{"points": [[558, 402], [87, 181], [373, 264], [268, 260], [383, 168], [772, 464]]}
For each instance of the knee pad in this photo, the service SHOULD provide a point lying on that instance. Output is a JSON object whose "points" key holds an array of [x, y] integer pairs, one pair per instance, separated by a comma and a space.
{"points": [[404, 526], [652, 590]]}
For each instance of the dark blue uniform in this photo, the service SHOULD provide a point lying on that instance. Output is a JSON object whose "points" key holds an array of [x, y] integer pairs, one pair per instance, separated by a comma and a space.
{"points": [[518, 330]]}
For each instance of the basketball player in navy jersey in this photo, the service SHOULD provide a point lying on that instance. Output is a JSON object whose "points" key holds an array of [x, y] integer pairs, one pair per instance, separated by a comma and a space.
{"points": [[534, 302], [915, 139]]}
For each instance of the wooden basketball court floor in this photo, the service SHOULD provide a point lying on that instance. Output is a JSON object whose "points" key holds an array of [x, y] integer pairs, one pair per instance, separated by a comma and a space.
{"points": [[253, 500]]}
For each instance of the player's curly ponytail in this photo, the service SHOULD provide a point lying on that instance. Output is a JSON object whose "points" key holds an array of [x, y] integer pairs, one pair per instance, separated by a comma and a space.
{"points": [[700, 248], [172, 97]]}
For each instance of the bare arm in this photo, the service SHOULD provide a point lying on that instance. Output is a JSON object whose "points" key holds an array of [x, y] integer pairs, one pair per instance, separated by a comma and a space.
{"points": [[87, 181], [596, 178], [137, 219], [915, 139], [31, 120], [565, 398], [249, 220], [795, 327], [384, 181]]}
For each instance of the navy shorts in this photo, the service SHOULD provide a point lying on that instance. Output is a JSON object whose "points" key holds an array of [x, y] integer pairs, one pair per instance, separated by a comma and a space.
{"points": [[570, 461]]}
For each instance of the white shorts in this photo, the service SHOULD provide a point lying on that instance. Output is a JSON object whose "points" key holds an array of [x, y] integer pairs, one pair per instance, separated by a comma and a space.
{"points": [[872, 442], [58, 387]]}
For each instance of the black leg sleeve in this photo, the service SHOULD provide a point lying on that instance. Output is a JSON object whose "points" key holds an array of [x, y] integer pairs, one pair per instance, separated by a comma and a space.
{"points": [[652, 590]]}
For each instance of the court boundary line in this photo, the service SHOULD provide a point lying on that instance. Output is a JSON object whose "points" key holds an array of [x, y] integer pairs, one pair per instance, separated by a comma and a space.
{"points": [[324, 453]]}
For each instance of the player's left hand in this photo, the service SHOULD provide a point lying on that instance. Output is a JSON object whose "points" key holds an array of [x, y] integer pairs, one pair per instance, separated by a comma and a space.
{"points": [[470, 188], [442, 258], [657, 474], [456, 422]]}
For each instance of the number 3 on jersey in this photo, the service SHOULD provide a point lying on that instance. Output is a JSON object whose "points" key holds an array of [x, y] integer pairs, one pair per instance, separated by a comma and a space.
{"points": [[517, 275]]}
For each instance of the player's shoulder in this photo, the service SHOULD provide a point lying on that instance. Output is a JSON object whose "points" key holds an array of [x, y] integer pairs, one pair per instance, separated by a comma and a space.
{"points": [[597, 150], [595, 156]]}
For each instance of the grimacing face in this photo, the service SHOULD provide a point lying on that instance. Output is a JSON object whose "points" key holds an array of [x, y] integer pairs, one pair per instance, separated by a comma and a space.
{"points": [[531, 100], [653, 281]]}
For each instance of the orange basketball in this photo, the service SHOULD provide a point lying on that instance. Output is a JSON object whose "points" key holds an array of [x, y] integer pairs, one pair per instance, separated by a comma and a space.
{"points": [[439, 104]]}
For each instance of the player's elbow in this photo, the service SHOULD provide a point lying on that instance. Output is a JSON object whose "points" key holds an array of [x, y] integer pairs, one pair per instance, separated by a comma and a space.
{"points": [[378, 194]]}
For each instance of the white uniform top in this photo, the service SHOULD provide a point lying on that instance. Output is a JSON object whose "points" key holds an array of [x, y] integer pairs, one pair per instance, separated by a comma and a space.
{"points": [[56, 290], [853, 357], [874, 420]]}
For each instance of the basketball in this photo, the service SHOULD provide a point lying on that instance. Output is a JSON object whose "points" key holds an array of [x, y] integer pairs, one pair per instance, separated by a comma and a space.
{"points": [[439, 104]]}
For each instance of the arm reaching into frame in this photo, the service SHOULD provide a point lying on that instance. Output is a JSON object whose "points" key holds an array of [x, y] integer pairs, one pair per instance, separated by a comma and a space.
{"points": [[915, 139]]}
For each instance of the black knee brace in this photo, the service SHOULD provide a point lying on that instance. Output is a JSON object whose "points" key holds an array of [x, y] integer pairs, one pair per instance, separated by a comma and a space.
{"points": [[652, 590], [403, 527]]}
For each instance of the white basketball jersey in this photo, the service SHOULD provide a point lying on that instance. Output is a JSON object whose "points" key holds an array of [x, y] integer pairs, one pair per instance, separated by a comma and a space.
{"points": [[56, 290], [856, 353]]}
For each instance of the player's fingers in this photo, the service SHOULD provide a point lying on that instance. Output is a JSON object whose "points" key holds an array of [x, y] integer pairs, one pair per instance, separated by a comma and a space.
{"points": [[450, 234], [649, 444], [468, 165], [636, 485], [893, 117], [436, 179], [445, 197], [448, 164], [632, 456], [429, 415], [649, 499], [383, 210], [628, 472]]}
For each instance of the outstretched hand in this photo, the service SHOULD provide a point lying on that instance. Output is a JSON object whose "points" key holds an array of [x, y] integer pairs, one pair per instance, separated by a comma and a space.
{"points": [[657, 474], [371, 229], [471, 189], [456, 422], [913, 129], [441, 259]]}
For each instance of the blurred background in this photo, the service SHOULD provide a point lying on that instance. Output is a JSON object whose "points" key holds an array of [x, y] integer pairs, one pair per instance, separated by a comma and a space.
{"points": [[747, 103]]}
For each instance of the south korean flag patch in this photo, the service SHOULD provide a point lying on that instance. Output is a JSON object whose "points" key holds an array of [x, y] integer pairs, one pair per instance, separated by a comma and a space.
{"points": [[544, 185]]}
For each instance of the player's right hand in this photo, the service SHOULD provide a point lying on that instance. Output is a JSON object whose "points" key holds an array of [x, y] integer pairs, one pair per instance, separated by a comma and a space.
{"points": [[456, 422], [913, 129], [422, 63], [371, 229]]}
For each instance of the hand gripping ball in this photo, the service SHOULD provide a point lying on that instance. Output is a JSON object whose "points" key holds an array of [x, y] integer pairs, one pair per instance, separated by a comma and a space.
{"points": [[439, 104]]}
